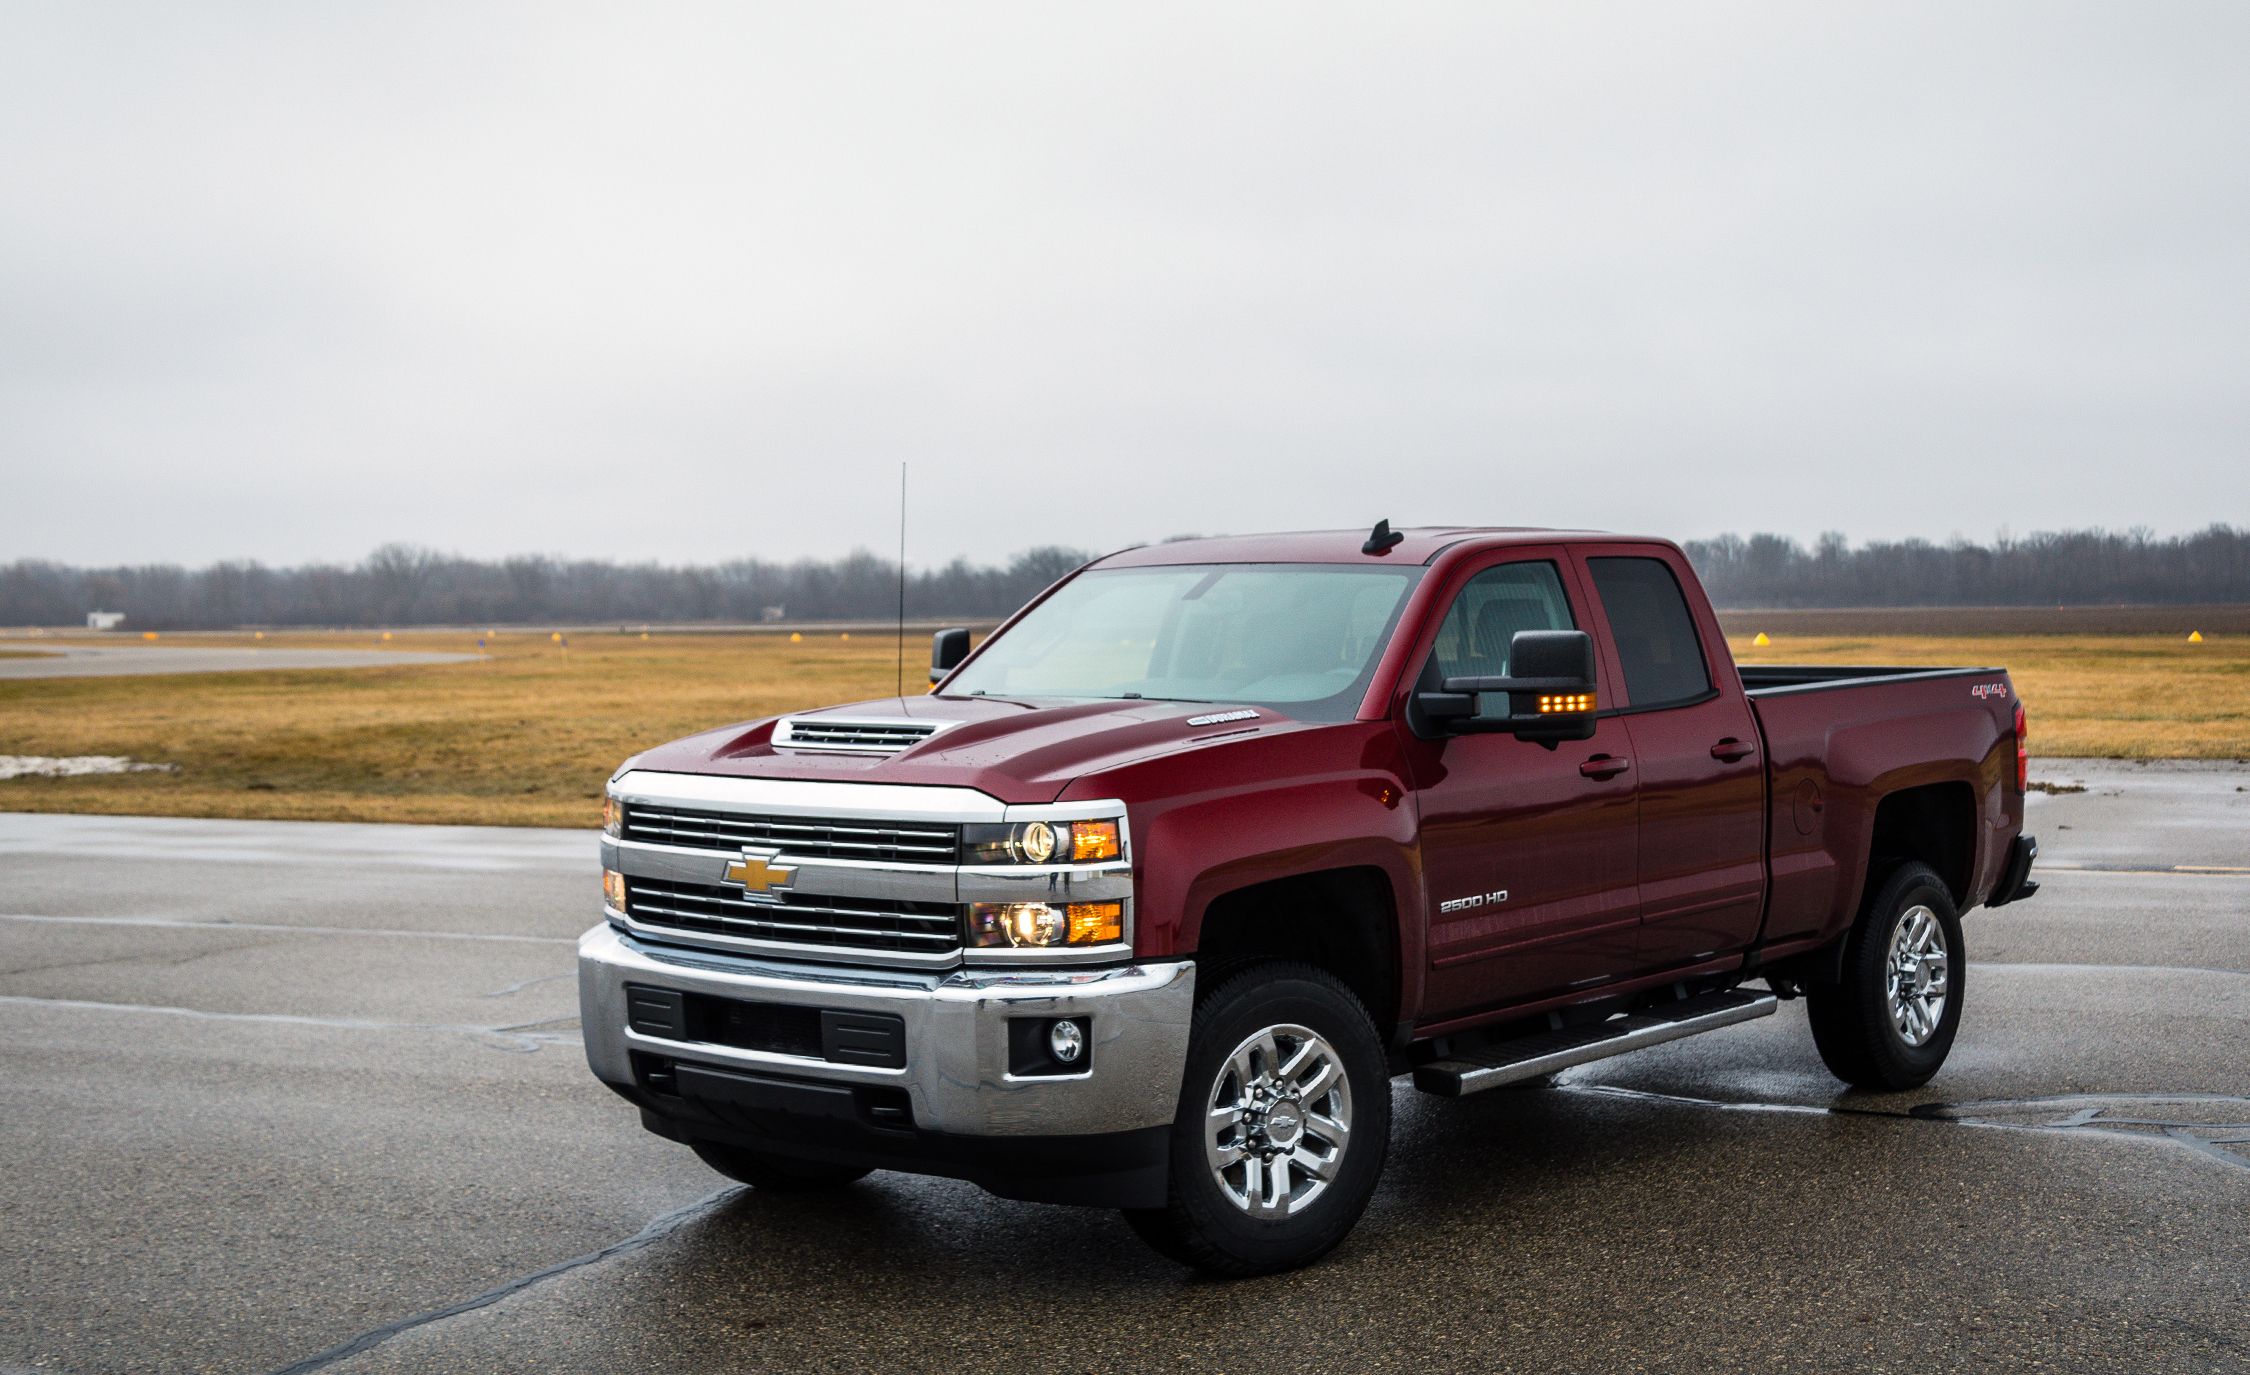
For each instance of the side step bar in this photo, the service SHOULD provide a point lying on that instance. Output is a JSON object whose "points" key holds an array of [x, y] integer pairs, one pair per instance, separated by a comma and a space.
{"points": [[1528, 1057]]}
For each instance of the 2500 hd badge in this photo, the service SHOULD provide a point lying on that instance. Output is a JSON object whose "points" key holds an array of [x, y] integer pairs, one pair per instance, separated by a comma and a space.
{"points": [[1464, 904]]}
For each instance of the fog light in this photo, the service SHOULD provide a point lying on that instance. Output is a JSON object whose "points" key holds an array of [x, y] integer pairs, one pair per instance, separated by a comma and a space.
{"points": [[1066, 1042]]}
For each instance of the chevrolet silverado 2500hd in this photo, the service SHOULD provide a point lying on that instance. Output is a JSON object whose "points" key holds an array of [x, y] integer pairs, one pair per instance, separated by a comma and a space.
{"points": [[1146, 903]]}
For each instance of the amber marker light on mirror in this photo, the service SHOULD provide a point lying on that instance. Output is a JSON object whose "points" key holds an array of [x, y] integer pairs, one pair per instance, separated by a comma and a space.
{"points": [[1565, 702]]}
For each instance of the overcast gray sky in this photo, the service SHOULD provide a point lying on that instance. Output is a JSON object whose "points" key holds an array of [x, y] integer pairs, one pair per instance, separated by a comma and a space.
{"points": [[633, 281]]}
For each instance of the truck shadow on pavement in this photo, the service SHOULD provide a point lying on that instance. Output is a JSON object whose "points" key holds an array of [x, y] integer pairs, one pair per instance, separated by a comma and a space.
{"points": [[1571, 1219]]}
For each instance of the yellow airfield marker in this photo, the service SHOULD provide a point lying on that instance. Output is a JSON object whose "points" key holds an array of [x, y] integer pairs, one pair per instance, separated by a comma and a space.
{"points": [[1761, 640], [795, 638], [148, 634], [556, 636], [845, 636], [2195, 637], [386, 634]]}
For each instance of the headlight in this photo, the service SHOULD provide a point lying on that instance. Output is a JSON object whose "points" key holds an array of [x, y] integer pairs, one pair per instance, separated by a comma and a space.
{"points": [[613, 817], [1042, 842], [1041, 924]]}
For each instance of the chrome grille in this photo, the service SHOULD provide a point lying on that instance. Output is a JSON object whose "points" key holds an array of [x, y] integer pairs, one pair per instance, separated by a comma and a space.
{"points": [[840, 733], [925, 928], [912, 842]]}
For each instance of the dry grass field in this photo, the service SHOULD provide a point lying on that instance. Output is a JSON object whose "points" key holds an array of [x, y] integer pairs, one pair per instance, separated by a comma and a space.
{"points": [[527, 735]]}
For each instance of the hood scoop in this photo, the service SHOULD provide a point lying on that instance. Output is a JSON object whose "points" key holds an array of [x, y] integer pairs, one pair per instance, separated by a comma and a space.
{"points": [[855, 734]]}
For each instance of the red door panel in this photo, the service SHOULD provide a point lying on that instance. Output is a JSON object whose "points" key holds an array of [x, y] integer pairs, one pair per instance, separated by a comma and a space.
{"points": [[1534, 858], [1527, 851], [1702, 830]]}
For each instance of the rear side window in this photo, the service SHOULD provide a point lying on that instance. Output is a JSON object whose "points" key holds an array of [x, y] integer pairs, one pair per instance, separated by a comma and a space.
{"points": [[1495, 604], [1657, 648]]}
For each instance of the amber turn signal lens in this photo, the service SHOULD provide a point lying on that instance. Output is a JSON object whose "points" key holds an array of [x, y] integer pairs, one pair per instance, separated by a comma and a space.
{"points": [[1096, 923], [1091, 840], [613, 889], [1565, 703]]}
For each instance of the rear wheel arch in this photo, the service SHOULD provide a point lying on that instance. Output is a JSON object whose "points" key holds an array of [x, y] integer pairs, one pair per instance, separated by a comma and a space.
{"points": [[1933, 824]]}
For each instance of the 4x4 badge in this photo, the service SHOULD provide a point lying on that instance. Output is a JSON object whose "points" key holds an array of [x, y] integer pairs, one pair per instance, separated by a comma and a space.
{"points": [[758, 874]]}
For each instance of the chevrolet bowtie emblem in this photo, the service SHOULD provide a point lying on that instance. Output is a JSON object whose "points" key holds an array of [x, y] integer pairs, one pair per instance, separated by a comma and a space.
{"points": [[758, 874]]}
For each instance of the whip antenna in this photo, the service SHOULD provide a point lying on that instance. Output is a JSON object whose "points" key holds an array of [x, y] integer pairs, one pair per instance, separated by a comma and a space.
{"points": [[902, 581]]}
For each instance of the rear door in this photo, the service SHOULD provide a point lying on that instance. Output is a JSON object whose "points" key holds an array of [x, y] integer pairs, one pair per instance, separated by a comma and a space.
{"points": [[1527, 851], [1701, 858]]}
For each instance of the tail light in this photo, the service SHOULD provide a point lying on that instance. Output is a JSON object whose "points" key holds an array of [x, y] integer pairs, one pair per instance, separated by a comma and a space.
{"points": [[2023, 752]]}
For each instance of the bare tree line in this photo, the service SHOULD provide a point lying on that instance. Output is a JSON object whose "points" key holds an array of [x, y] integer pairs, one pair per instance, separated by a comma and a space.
{"points": [[2061, 568], [401, 585]]}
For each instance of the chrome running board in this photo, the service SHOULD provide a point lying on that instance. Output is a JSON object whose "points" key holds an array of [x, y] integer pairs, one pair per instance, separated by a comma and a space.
{"points": [[1528, 1057]]}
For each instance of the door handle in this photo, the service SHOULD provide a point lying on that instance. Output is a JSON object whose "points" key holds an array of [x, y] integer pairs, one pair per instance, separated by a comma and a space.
{"points": [[1731, 749], [1604, 766]]}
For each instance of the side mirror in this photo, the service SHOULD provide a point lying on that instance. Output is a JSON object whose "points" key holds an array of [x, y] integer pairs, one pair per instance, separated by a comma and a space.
{"points": [[1548, 695], [947, 649]]}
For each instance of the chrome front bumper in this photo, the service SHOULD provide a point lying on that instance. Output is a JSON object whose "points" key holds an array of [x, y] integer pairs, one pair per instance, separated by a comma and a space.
{"points": [[956, 1073]]}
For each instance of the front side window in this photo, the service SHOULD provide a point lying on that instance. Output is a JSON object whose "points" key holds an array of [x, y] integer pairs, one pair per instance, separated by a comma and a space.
{"points": [[1657, 648], [1473, 639], [1297, 636]]}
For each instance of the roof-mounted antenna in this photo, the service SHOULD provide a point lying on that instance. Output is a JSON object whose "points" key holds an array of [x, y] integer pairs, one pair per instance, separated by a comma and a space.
{"points": [[902, 579], [1382, 539]]}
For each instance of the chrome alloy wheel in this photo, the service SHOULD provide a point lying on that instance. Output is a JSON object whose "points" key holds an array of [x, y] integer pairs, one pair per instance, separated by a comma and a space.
{"points": [[1279, 1120], [1917, 975]]}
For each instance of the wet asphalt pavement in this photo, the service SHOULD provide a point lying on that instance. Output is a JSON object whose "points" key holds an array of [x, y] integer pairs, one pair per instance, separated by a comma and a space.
{"points": [[301, 1096]]}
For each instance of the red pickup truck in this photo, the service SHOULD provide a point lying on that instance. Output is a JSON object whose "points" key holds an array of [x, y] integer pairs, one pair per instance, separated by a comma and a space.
{"points": [[1153, 895]]}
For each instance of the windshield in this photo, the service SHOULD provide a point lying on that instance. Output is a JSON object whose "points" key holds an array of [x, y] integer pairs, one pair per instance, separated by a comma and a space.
{"points": [[1301, 636]]}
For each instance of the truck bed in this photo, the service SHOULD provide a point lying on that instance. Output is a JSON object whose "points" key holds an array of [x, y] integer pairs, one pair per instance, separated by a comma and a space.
{"points": [[1841, 737]]}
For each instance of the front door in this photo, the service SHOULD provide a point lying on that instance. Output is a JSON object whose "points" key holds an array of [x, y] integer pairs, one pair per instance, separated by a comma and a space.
{"points": [[1527, 851]]}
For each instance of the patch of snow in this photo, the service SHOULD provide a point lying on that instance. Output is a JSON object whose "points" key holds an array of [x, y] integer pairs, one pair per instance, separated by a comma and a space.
{"points": [[74, 765]]}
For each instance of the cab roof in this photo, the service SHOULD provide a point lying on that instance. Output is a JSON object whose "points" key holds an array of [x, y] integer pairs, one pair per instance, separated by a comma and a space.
{"points": [[1421, 544]]}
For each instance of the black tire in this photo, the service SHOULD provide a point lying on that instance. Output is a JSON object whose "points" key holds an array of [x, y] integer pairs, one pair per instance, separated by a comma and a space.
{"points": [[1853, 1023], [774, 1173], [1202, 1224]]}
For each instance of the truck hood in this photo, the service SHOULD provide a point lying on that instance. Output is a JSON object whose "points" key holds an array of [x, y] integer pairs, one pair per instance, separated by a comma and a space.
{"points": [[1019, 750]]}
